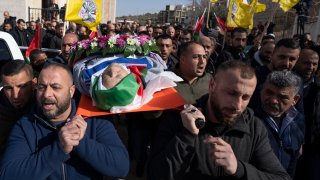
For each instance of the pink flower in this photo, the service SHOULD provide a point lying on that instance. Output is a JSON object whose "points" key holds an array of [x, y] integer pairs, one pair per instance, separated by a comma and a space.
{"points": [[143, 39], [74, 47], [102, 44], [103, 38], [124, 37], [86, 44], [102, 41], [120, 42]]}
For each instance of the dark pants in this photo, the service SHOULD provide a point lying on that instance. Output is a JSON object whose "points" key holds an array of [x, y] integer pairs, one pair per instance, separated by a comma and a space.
{"points": [[141, 134]]}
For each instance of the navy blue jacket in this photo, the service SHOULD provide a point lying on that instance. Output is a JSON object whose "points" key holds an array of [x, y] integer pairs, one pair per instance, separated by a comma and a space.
{"points": [[33, 152], [286, 140]]}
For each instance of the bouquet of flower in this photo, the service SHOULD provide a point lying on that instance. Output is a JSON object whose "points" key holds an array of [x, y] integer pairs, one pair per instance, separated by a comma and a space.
{"points": [[110, 45]]}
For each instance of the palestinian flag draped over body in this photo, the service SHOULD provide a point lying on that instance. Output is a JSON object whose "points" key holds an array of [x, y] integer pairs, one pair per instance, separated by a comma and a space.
{"points": [[85, 12], [146, 78], [35, 43], [129, 91]]}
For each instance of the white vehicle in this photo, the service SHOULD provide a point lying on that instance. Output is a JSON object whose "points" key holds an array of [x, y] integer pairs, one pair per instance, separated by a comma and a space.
{"points": [[9, 50]]}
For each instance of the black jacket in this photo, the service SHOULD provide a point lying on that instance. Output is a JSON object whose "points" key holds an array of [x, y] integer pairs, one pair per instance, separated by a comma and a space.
{"points": [[309, 162], [58, 59], [21, 37], [8, 117], [229, 53], [11, 20], [178, 154]]}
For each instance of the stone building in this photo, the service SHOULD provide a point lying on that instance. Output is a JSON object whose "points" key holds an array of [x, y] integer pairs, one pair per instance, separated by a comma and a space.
{"points": [[34, 9], [173, 14]]}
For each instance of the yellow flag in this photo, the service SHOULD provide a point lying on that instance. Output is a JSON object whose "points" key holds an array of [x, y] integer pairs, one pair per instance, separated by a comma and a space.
{"points": [[213, 1], [260, 7], [286, 5], [85, 12], [241, 14]]}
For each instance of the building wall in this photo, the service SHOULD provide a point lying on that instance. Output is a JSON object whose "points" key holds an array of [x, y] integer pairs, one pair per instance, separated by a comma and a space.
{"points": [[19, 8], [108, 11]]}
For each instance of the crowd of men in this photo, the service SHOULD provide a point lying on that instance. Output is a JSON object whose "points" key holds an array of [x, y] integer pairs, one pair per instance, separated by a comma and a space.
{"points": [[258, 95]]}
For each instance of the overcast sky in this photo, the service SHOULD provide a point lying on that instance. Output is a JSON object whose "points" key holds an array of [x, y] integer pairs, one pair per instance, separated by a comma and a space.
{"points": [[138, 7]]}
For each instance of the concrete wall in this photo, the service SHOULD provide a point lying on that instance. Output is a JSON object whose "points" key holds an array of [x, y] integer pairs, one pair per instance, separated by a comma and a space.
{"points": [[108, 11], [19, 8]]}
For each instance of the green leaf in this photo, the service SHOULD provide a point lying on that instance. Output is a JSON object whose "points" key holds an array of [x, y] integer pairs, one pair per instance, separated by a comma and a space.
{"points": [[146, 49], [139, 49], [154, 48], [104, 51], [95, 49], [129, 50], [88, 52], [79, 54], [126, 52], [72, 57]]}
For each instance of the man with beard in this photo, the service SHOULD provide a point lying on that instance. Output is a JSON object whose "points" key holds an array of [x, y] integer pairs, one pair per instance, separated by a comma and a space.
{"points": [[56, 41], [309, 162], [285, 124], [235, 51], [7, 27], [191, 67], [185, 36], [19, 33], [209, 45], [233, 144], [157, 31], [16, 96], [52, 142], [284, 57], [165, 45], [31, 30], [67, 41], [263, 55]]}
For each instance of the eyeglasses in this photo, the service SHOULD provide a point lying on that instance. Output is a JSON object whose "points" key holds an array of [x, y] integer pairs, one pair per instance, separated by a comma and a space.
{"points": [[199, 56]]}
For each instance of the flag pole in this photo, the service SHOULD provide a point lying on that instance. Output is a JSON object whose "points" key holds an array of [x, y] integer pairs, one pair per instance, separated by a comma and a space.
{"points": [[208, 15], [65, 24], [217, 21], [227, 20]]}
